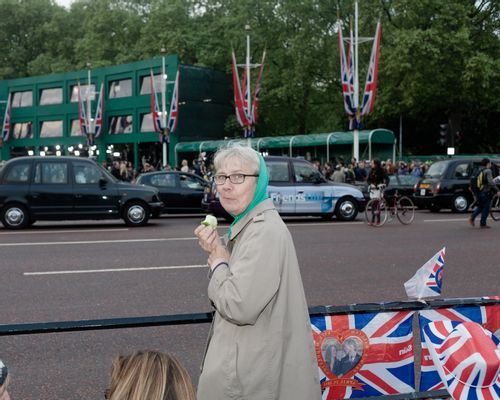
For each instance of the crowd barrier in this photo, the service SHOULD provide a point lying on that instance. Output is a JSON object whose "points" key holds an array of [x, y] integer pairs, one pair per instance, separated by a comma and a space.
{"points": [[385, 336]]}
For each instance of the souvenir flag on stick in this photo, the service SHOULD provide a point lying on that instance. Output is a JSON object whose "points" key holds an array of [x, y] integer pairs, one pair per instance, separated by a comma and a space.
{"points": [[428, 279], [6, 120]]}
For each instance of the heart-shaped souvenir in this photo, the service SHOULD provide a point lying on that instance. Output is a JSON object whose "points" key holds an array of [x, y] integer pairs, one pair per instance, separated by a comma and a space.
{"points": [[341, 353]]}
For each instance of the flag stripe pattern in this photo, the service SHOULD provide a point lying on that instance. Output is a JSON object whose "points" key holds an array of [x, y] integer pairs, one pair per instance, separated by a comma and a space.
{"points": [[173, 115], [385, 360], [463, 350], [371, 76], [6, 119], [241, 116], [99, 112], [155, 111], [347, 73], [255, 103], [487, 315], [428, 279], [82, 115]]}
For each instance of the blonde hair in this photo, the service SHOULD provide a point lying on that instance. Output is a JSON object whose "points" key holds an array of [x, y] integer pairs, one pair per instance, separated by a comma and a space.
{"points": [[245, 154], [150, 375]]}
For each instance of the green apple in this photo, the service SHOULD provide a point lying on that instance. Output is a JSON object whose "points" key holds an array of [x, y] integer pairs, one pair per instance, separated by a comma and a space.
{"points": [[210, 220]]}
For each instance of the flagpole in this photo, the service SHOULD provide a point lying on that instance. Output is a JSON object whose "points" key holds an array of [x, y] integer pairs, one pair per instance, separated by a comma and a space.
{"points": [[356, 86], [247, 94], [163, 105]]}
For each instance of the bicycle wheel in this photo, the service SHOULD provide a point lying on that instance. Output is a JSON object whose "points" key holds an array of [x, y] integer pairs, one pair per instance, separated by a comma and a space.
{"points": [[495, 208], [405, 210], [376, 212]]}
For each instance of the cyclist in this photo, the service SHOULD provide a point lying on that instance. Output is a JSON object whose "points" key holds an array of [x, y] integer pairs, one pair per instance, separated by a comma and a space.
{"points": [[377, 177]]}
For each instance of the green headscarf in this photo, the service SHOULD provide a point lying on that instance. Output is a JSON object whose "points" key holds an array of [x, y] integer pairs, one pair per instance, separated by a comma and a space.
{"points": [[259, 195]]}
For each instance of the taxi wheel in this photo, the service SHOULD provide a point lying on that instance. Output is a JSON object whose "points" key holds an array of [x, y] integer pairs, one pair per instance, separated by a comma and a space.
{"points": [[346, 209], [15, 216], [460, 203], [136, 214]]}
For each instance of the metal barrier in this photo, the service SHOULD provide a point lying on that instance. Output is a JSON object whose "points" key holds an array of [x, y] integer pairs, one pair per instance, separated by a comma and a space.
{"points": [[200, 318]]}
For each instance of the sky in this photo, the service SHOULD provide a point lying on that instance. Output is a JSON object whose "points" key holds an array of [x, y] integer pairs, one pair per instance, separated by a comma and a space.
{"points": [[65, 3]]}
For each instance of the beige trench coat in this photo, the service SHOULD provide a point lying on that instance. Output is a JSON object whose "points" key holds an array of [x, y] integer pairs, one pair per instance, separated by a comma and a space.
{"points": [[260, 345]]}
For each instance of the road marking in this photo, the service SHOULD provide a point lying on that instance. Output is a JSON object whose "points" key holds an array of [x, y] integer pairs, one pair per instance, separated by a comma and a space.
{"points": [[329, 224], [446, 220], [91, 271], [96, 242], [65, 231]]}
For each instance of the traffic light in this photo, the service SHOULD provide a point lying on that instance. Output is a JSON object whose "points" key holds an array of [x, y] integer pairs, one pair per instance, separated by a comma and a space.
{"points": [[443, 134]]}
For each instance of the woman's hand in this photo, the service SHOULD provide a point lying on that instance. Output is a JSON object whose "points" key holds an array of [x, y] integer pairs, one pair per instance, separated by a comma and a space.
{"points": [[208, 238], [218, 255]]}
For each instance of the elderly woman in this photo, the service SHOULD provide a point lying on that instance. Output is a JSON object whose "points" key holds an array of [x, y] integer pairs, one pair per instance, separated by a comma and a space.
{"points": [[260, 345]]}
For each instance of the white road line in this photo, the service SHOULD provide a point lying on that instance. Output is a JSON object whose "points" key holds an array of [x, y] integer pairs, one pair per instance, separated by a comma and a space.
{"points": [[446, 220], [91, 271], [329, 224], [10, 233], [96, 242]]}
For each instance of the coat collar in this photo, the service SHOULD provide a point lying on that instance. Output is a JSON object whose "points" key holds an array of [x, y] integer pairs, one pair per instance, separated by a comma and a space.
{"points": [[258, 209]]}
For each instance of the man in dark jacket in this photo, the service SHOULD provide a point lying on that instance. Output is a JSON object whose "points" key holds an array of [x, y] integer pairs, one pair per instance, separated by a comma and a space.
{"points": [[485, 195]]}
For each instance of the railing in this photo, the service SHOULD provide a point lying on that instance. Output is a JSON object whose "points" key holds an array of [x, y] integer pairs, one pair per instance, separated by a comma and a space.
{"points": [[200, 318]]}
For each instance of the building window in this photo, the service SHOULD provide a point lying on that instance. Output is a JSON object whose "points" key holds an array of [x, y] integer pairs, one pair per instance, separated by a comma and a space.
{"points": [[22, 99], [75, 128], [146, 84], [84, 94], [23, 130], [147, 123], [51, 129], [51, 96], [120, 124], [120, 88]]}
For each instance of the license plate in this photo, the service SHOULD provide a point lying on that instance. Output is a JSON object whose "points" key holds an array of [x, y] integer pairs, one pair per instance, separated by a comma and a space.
{"points": [[422, 192], [205, 197], [424, 186]]}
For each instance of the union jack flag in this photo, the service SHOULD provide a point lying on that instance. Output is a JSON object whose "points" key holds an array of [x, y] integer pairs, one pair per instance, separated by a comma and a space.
{"points": [[82, 115], [428, 279], [98, 112], [371, 76], [255, 105], [486, 315], [241, 114], [155, 111], [173, 115], [467, 359], [347, 73], [6, 120], [365, 354]]}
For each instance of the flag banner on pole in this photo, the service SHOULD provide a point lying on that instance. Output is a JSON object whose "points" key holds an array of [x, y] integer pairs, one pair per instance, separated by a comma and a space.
{"points": [[371, 76], [255, 103], [487, 315], [82, 115], [6, 119], [347, 73], [364, 354], [155, 111], [428, 279], [173, 115], [99, 112], [241, 116]]}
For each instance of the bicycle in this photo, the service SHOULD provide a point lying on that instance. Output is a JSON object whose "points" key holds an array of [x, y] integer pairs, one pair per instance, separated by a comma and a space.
{"points": [[495, 208], [379, 209]]}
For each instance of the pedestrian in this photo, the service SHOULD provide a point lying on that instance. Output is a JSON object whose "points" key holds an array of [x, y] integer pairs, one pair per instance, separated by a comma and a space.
{"points": [[338, 175], [260, 345], [484, 197], [377, 179]]}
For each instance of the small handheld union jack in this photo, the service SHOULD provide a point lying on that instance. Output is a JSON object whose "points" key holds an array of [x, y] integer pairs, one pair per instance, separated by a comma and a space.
{"points": [[428, 279], [466, 357]]}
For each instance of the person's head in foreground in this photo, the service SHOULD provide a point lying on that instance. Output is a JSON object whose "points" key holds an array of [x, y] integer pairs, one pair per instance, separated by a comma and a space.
{"points": [[4, 381], [237, 171], [149, 375]]}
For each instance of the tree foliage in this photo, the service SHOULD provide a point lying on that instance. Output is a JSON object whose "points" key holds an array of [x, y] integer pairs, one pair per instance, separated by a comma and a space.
{"points": [[439, 61]]}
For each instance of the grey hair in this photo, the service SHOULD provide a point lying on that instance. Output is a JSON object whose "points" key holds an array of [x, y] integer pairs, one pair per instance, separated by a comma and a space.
{"points": [[245, 154]]}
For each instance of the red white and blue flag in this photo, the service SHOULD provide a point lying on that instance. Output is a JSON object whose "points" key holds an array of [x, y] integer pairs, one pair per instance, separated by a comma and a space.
{"points": [[255, 103], [99, 112], [364, 354], [428, 279], [467, 358], [155, 111], [371, 76], [347, 73], [241, 114], [6, 120], [173, 115], [82, 115], [486, 315]]}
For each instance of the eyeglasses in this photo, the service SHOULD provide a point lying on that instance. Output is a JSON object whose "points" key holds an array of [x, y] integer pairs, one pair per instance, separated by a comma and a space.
{"points": [[235, 179], [107, 394]]}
